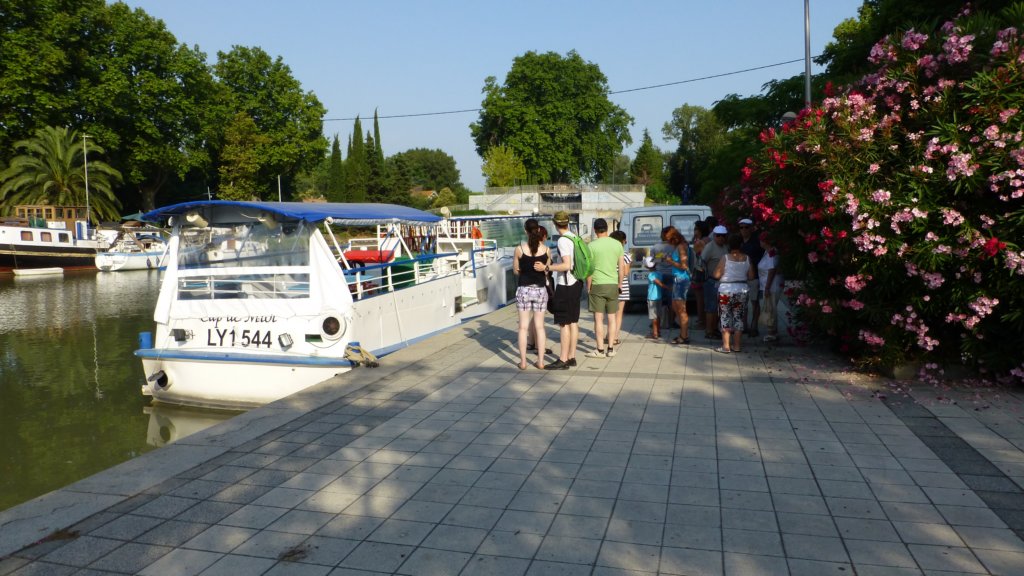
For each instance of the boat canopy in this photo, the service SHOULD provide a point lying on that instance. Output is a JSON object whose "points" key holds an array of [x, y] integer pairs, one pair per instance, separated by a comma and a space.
{"points": [[345, 214]]}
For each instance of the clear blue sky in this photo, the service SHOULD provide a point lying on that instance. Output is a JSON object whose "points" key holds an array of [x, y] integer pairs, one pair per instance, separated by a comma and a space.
{"points": [[410, 57]]}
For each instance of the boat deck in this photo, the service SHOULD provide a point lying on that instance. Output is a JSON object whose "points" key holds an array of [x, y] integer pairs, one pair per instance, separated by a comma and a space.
{"points": [[664, 459]]}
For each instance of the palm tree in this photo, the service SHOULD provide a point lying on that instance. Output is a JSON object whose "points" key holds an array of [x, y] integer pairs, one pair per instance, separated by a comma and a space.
{"points": [[51, 170]]}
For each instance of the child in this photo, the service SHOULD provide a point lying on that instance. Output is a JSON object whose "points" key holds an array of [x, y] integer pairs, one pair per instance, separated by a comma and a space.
{"points": [[655, 287]]}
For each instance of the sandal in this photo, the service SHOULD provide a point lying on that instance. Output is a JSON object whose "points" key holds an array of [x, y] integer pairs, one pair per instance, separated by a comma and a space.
{"points": [[723, 350], [522, 366], [677, 340], [736, 350], [653, 337], [617, 342]]}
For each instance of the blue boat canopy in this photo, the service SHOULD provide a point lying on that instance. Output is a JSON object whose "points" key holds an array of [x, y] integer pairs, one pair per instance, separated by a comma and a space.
{"points": [[345, 214]]}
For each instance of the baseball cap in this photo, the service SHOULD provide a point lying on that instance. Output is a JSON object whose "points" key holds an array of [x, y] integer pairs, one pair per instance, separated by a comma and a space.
{"points": [[746, 221], [649, 262], [561, 217], [720, 230]]}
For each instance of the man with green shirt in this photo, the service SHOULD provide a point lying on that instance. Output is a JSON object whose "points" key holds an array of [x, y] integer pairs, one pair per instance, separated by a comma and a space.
{"points": [[603, 286]]}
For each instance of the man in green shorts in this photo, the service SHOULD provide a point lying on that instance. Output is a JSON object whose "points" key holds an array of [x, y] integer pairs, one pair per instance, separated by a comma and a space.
{"points": [[603, 286]]}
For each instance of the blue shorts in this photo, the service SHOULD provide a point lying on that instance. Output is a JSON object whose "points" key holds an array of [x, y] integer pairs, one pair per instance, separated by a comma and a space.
{"points": [[680, 288], [711, 296]]}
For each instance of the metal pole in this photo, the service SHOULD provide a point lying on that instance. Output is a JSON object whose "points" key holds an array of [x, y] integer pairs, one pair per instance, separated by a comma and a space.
{"points": [[278, 187], [85, 160], [807, 53]]}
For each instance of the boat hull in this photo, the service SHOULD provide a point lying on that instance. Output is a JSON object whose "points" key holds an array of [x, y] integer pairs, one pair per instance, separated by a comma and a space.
{"points": [[243, 381], [15, 256], [122, 261]]}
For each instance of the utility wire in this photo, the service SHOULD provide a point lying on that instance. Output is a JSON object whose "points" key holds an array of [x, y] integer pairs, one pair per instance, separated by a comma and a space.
{"points": [[614, 92]]}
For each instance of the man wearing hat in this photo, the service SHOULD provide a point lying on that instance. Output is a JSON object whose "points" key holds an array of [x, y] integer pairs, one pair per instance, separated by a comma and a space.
{"points": [[752, 248], [712, 253], [565, 303]]}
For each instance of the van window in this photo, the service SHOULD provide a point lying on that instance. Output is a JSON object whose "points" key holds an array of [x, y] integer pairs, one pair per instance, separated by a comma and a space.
{"points": [[646, 230], [684, 223]]}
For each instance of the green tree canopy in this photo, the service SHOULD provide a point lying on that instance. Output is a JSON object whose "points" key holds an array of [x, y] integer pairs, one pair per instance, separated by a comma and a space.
{"points": [[240, 161], [52, 170], [431, 169], [555, 114], [336, 173], [502, 167], [290, 118]]}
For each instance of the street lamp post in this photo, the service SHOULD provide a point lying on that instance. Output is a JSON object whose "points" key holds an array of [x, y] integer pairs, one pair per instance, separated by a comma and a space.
{"points": [[85, 161], [807, 53]]}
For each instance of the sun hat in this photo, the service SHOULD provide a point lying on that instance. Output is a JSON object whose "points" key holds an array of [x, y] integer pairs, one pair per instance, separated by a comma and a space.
{"points": [[720, 230], [561, 217]]}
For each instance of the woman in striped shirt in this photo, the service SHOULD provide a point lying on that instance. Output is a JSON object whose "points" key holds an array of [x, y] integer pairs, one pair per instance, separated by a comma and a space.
{"points": [[624, 287]]}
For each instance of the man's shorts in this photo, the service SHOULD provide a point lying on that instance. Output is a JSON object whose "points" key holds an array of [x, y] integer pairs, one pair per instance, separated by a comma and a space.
{"points": [[604, 298], [565, 304], [653, 309], [711, 296]]}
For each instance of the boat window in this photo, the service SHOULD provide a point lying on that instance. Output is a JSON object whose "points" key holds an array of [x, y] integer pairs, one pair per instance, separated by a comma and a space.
{"points": [[65, 238], [45, 237], [221, 286], [26, 235], [244, 261], [244, 246]]}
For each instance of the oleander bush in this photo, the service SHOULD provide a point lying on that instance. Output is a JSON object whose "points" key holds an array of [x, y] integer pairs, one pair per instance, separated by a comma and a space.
{"points": [[897, 203]]}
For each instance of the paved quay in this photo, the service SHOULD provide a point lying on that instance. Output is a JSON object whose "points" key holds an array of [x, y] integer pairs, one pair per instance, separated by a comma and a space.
{"points": [[662, 460]]}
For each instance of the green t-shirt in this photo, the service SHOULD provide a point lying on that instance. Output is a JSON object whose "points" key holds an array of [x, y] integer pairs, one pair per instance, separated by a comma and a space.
{"points": [[606, 254]]}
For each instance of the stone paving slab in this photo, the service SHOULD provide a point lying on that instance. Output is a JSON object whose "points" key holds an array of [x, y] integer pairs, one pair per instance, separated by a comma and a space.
{"points": [[661, 460]]}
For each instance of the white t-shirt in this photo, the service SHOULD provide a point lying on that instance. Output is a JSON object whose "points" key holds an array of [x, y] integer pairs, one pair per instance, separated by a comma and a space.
{"points": [[766, 264], [565, 252]]}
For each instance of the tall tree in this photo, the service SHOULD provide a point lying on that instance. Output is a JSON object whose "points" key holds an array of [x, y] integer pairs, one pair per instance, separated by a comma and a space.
{"points": [[555, 114], [700, 135], [336, 174], [431, 169], [51, 169], [502, 167], [356, 173], [376, 190], [289, 117], [241, 161], [376, 138]]}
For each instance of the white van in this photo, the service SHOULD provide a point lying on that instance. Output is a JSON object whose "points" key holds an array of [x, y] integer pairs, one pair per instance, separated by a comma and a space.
{"points": [[643, 225]]}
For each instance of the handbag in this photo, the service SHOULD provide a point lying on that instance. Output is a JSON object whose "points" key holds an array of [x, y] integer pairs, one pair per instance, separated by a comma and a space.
{"points": [[549, 285]]}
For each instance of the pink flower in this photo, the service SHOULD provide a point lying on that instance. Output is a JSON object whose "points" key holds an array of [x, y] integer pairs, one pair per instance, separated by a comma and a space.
{"points": [[913, 40]]}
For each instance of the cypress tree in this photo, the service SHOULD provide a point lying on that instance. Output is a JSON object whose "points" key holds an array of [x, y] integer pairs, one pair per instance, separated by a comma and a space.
{"points": [[336, 174], [376, 138], [356, 174], [375, 189]]}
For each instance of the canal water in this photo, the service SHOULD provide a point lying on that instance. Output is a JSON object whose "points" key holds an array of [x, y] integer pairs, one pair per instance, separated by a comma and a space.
{"points": [[70, 404]]}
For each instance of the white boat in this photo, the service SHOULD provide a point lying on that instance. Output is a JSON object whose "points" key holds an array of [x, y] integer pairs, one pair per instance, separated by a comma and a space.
{"points": [[32, 272], [258, 303], [133, 250]]}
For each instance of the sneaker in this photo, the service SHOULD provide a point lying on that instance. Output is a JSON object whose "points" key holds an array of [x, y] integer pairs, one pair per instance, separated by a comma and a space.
{"points": [[571, 362], [611, 352], [596, 353], [557, 365]]}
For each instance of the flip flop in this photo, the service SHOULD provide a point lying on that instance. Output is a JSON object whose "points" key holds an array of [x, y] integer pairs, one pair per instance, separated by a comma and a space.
{"points": [[723, 350], [523, 366]]}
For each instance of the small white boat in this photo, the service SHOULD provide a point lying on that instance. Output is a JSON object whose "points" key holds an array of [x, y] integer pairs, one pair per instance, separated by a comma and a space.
{"points": [[133, 250], [257, 303], [31, 272]]}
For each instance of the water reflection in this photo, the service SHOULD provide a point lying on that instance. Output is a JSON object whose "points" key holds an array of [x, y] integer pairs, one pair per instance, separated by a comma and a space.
{"points": [[70, 404], [169, 424]]}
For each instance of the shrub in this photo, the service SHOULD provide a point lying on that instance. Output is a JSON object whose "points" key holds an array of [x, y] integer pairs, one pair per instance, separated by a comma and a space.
{"points": [[898, 203]]}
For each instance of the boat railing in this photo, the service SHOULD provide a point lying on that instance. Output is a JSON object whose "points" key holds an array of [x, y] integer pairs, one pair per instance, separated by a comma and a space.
{"points": [[266, 282], [374, 279]]}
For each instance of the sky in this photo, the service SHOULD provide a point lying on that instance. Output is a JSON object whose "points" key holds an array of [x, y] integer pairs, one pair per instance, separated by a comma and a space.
{"points": [[403, 57]]}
